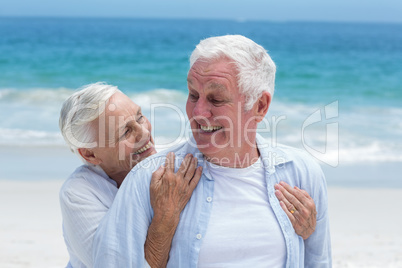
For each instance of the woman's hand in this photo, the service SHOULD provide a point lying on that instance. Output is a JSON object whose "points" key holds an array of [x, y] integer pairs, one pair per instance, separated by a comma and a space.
{"points": [[170, 193], [299, 207]]}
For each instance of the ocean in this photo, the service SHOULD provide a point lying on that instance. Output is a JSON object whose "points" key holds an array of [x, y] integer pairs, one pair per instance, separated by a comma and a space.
{"points": [[338, 86]]}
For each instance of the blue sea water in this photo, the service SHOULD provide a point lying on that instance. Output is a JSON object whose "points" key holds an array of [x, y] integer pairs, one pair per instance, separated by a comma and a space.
{"points": [[348, 70]]}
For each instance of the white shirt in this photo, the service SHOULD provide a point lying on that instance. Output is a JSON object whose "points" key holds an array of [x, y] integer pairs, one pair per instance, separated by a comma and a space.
{"points": [[85, 197], [243, 230]]}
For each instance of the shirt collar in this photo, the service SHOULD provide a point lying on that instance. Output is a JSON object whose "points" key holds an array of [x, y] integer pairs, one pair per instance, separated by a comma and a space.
{"points": [[272, 156]]}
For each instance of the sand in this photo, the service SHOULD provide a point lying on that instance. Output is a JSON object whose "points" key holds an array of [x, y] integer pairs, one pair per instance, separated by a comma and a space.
{"points": [[30, 225], [365, 227]]}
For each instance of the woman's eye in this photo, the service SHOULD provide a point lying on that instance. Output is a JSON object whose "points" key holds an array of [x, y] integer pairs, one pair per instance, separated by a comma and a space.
{"points": [[127, 132], [141, 119]]}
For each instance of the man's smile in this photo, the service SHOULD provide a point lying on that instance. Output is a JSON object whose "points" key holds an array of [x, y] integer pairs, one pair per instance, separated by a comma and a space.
{"points": [[210, 129]]}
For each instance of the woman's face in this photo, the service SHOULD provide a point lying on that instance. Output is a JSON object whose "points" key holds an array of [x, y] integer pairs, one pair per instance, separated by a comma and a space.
{"points": [[124, 136]]}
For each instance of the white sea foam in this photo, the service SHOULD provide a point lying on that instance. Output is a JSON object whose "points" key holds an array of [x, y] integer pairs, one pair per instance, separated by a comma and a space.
{"points": [[23, 137]]}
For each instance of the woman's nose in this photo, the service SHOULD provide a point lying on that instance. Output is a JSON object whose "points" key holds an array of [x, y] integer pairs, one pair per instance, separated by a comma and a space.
{"points": [[142, 133]]}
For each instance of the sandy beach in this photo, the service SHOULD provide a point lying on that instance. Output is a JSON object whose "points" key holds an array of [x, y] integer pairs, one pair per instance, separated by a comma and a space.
{"points": [[365, 226]]}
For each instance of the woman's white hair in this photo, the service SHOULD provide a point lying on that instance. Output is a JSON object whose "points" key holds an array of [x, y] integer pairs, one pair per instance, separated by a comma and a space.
{"points": [[256, 68], [79, 112]]}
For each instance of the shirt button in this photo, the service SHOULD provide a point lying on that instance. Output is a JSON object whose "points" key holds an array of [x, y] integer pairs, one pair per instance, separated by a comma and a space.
{"points": [[209, 199], [199, 236]]}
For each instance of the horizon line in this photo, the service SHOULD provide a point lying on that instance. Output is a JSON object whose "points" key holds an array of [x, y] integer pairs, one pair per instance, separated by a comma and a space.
{"points": [[239, 20]]}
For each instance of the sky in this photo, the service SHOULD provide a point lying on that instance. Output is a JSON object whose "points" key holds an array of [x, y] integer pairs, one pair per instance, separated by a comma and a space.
{"points": [[279, 10]]}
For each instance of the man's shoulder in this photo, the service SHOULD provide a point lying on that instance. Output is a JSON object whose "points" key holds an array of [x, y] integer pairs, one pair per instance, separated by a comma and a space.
{"points": [[299, 157], [284, 156], [295, 154], [285, 153]]}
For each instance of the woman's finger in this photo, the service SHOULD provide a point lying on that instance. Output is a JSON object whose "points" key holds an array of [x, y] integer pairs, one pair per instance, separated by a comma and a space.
{"points": [[157, 174], [290, 215], [185, 165], [169, 164], [191, 169], [196, 178], [289, 192]]}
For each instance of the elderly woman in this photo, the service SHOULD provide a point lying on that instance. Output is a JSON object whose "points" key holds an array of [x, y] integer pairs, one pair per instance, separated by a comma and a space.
{"points": [[107, 130], [109, 133]]}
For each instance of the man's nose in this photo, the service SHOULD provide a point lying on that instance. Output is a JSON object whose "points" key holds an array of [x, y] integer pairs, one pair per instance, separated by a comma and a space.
{"points": [[202, 109]]}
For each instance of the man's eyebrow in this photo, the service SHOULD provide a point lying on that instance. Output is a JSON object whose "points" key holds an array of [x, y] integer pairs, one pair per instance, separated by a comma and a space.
{"points": [[217, 86]]}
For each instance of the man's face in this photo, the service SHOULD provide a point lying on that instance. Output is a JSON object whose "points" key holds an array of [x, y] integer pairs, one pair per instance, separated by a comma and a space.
{"points": [[124, 135], [215, 109]]}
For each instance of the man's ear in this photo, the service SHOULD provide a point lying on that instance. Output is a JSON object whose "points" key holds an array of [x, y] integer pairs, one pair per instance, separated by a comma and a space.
{"points": [[89, 156], [262, 106]]}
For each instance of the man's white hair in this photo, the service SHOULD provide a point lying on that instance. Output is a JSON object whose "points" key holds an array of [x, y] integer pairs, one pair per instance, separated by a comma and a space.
{"points": [[256, 68], [79, 112]]}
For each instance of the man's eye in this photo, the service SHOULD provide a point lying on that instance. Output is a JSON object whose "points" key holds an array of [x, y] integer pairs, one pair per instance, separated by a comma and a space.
{"points": [[216, 101], [192, 96]]}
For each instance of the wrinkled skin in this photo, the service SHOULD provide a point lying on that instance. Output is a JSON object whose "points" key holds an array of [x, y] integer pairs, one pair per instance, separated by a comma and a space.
{"points": [[304, 216], [170, 193]]}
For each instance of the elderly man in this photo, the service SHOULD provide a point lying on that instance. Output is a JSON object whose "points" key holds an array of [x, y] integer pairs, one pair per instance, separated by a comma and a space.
{"points": [[233, 218]]}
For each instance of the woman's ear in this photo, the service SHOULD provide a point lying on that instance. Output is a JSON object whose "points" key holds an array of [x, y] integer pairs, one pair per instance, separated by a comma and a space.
{"points": [[262, 106], [89, 156]]}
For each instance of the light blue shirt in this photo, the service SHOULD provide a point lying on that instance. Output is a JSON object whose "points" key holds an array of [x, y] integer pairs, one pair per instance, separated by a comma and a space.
{"points": [[85, 197], [119, 240]]}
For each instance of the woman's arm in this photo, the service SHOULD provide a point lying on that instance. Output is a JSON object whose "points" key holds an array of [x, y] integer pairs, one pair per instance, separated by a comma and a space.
{"points": [[170, 193], [82, 212]]}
